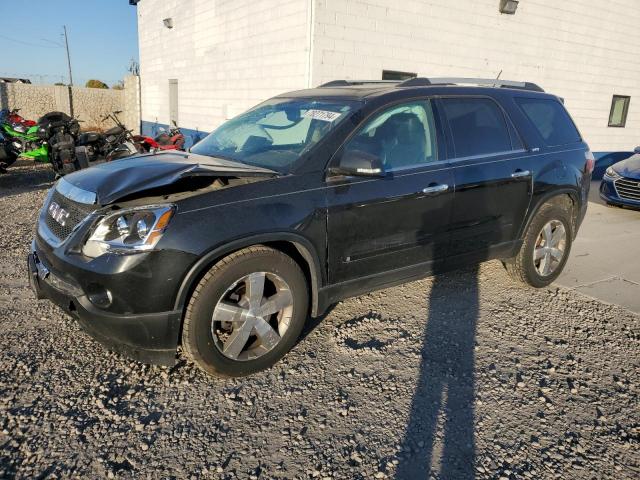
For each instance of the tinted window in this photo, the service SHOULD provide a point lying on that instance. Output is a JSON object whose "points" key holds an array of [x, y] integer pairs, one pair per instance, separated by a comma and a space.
{"points": [[550, 119], [477, 125], [402, 136]]}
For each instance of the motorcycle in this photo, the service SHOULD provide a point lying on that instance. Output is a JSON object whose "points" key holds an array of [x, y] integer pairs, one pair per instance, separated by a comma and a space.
{"points": [[24, 139], [117, 142], [171, 140], [12, 116], [9, 152], [58, 132]]}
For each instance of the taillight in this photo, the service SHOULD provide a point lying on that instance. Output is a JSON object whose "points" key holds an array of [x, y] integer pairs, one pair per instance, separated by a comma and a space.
{"points": [[591, 161]]}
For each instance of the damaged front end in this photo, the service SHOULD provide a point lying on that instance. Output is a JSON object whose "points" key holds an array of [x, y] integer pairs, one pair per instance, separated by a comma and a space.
{"points": [[132, 198], [98, 251]]}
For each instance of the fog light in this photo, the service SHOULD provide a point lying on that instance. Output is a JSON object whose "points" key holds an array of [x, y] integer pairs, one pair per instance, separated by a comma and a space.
{"points": [[99, 296]]}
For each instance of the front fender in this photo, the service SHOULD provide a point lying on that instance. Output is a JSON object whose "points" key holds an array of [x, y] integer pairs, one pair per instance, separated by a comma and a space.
{"points": [[302, 245]]}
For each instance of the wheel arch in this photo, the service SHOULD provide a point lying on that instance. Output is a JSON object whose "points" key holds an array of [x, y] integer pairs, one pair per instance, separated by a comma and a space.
{"points": [[565, 197], [291, 244]]}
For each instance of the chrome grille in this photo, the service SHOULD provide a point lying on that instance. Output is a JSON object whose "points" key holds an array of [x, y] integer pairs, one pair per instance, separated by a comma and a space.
{"points": [[77, 212], [628, 188]]}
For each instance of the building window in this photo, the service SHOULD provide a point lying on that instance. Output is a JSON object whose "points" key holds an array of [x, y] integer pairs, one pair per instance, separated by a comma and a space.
{"points": [[619, 110], [394, 75]]}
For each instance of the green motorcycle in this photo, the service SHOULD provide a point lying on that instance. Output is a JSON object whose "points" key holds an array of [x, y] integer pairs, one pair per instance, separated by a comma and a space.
{"points": [[52, 140], [32, 145]]}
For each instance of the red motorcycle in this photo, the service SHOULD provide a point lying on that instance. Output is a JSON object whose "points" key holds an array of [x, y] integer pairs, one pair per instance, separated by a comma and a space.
{"points": [[171, 140], [14, 118]]}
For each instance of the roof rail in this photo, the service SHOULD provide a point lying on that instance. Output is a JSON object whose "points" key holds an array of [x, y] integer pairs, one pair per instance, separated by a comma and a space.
{"points": [[348, 83], [423, 82], [416, 82], [490, 82]]}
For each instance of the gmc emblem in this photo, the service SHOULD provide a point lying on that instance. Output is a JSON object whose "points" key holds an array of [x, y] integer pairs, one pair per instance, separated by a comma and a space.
{"points": [[58, 213]]}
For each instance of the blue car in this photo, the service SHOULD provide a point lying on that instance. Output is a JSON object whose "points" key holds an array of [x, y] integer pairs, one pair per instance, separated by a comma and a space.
{"points": [[621, 182]]}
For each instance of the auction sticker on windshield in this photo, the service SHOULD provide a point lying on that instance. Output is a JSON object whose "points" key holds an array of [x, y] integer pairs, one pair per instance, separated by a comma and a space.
{"points": [[324, 115]]}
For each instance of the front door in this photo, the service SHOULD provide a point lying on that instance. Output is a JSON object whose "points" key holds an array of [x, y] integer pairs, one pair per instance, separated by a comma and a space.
{"points": [[393, 223]]}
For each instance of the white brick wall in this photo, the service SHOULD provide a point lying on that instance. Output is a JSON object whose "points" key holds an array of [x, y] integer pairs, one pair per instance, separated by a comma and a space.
{"points": [[582, 50], [227, 55], [231, 54]]}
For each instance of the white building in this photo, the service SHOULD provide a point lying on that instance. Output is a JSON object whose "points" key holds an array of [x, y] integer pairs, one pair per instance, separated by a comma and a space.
{"points": [[204, 61]]}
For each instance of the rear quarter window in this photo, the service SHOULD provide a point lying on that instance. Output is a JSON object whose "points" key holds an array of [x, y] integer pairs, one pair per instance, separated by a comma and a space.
{"points": [[551, 120]]}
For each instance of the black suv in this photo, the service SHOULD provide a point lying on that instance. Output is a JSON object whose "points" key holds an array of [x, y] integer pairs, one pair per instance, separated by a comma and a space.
{"points": [[306, 199]]}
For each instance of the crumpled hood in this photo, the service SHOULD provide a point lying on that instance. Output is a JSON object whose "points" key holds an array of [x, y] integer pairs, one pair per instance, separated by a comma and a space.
{"points": [[630, 167], [111, 181]]}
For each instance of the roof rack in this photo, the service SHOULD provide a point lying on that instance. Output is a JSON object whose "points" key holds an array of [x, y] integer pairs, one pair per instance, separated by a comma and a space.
{"points": [[349, 83], [489, 82]]}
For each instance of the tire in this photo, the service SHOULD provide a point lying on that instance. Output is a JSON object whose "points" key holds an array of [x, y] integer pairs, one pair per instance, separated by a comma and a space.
{"points": [[224, 291], [523, 268], [82, 158], [7, 156]]}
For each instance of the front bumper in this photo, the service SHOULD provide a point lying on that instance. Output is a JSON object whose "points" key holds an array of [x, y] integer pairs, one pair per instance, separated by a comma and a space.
{"points": [[610, 195], [147, 337]]}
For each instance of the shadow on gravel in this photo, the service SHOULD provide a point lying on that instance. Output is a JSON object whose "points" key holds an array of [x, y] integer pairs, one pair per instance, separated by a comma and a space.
{"points": [[24, 177], [439, 438]]}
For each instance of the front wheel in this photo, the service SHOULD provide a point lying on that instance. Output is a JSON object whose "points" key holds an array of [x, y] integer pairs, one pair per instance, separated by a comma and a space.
{"points": [[545, 248], [246, 313]]}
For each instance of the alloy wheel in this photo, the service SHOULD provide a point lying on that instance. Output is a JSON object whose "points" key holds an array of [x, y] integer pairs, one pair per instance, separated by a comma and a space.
{"points": [[550, 248], [252, 316]]}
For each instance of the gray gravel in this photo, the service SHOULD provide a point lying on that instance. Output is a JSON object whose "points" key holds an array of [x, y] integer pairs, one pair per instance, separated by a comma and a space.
{"points": [[465, 375]]}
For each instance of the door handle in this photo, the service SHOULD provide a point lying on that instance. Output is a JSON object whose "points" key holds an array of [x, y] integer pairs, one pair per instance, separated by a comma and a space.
{"points": [[521, 173], [435, 189]]}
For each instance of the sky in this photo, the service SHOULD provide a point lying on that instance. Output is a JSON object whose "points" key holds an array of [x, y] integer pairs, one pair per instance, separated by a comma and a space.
{"points": [[103, 38]]}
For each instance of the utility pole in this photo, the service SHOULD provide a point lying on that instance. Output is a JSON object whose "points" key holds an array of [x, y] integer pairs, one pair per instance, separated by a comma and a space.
{"points": [[66, 43]]}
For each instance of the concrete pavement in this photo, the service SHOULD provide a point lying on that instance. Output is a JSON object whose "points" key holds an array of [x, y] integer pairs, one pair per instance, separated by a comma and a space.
{"points": [[605, 258]]}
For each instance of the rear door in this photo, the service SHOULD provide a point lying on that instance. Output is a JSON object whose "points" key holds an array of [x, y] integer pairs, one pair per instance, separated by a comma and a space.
{"points": [[378, 225], [492, 176]]}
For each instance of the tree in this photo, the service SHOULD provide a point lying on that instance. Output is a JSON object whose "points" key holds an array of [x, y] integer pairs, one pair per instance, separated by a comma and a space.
{"points": [[95, 84], [119, 85]]}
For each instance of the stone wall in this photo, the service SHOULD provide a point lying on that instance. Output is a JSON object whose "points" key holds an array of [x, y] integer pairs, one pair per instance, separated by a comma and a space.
{"points": [[32, 100], [90, 105]]}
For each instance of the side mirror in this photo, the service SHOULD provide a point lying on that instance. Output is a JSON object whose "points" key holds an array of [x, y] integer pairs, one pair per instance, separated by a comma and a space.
{"points": [[636, 150], [360, 164]]}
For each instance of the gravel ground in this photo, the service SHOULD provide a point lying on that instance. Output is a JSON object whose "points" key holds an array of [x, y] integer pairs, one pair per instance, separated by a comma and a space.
{"points": [[464, 376]]}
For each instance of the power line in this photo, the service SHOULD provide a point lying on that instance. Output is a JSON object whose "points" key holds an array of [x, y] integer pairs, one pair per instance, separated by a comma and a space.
{"points": [[26, 43]]}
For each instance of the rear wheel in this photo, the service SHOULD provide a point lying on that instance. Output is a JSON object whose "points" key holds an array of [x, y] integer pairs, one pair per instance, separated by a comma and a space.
{"points": [[246, 312], [545, 249], [7, 157]]}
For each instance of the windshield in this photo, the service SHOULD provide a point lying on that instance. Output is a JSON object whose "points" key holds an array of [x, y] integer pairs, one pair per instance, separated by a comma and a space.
{"points": [[275, 133]]}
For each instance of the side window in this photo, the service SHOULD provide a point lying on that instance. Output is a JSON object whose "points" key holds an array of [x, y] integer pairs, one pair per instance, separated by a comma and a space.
{"points": [[477, 125], [402, 136], [550, 119]]}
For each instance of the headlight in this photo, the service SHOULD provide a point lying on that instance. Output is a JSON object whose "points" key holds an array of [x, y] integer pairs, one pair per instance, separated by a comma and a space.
{"points": [[128, 231], [612, 173]]}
